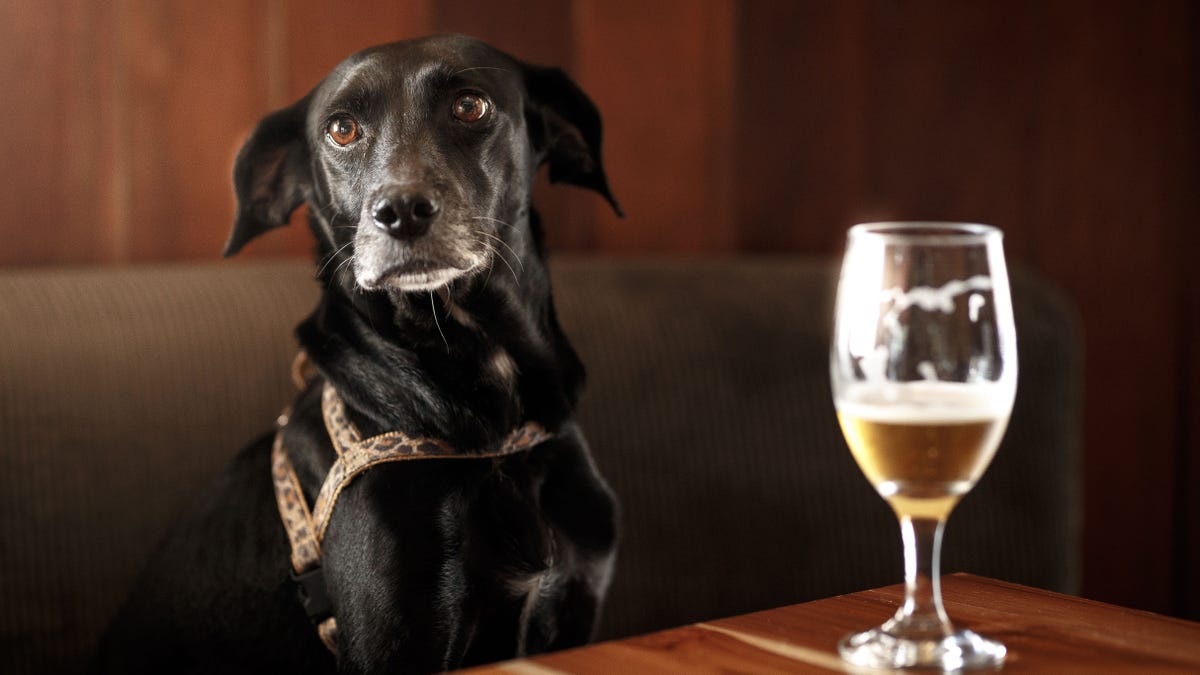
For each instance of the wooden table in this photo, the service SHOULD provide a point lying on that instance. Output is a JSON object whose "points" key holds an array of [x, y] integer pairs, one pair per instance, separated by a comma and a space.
{"points": [[1045, 633]]}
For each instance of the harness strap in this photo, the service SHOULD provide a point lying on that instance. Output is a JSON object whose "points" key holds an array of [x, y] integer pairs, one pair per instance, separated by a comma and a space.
{"points": [[306, 529]]}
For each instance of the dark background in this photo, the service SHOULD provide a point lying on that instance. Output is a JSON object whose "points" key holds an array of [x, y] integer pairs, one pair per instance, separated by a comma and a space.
{"points": [[732, 126]]}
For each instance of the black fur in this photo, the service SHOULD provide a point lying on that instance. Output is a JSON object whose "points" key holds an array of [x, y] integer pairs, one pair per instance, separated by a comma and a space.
{"points": [[446, 329]]}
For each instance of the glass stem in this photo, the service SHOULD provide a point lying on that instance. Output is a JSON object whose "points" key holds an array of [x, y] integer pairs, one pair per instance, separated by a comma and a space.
{"points": [[922, 612]]}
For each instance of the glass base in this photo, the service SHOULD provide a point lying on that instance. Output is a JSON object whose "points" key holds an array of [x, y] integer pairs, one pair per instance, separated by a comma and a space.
{"points": [[960, 650]]}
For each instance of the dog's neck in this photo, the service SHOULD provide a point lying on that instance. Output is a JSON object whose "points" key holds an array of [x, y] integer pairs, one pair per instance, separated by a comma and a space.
{"points": [[467, 363]]}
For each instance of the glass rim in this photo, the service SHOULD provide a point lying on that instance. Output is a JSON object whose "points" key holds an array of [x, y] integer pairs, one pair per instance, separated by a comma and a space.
{"points": [[927, 232]]}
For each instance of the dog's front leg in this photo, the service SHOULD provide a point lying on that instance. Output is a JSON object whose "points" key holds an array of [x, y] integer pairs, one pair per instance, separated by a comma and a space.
{"points": [[395, 574], [583, 511]]}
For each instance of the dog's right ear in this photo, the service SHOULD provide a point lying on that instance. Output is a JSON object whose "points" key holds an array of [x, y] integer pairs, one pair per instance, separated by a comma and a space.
{"points": [[271, 175]]}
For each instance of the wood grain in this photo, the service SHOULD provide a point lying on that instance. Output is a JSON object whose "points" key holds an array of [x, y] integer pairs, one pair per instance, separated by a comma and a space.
{"points": [[320, 34], [1043, 631], [801, 146], [179, 132], [58, 184], [662, 73], [1104, 215], [1186, 586]]}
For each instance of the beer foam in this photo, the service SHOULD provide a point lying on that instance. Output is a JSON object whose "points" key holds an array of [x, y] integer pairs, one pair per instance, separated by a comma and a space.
{"points": [[933, 299], [925, 402]]}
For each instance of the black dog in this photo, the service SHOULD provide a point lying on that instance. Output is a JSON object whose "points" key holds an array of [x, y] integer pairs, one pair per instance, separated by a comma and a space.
{"points": [[416, 160]]}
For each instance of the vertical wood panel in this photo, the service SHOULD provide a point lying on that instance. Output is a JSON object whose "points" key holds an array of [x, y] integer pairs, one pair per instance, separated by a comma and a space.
{"points": [[947, 113], [193, 77], [1187, 532], [1106, 213], [663, 73], [320, 34], [1186, 577], [55, 188], [799, 124], [538, 31]]}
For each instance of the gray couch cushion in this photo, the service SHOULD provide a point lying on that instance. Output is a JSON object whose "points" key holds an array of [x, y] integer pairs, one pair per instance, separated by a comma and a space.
{"points": [[708, 409]]}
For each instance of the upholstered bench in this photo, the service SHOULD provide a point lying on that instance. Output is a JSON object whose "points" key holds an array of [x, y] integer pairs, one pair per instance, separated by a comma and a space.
{"points": [[708, 409]]}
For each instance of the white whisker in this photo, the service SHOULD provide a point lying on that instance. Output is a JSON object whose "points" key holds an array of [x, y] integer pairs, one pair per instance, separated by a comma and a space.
{"points": [[490, 267], [433, 310], [322, 211], [494, 220], [342, 268], [516, 257], [496, 253], [333, 256]]}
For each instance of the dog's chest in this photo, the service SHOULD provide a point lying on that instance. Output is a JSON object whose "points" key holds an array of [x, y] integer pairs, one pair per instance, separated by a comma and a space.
{"points": [[483, 514], [499, 561]]}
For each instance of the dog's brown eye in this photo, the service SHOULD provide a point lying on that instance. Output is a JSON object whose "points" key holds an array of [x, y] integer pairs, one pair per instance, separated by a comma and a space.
{"points": [[343, 130], [470, 108]]}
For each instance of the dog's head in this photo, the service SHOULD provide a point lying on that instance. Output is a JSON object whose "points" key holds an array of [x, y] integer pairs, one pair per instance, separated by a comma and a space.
{"points": [[417, 159]]}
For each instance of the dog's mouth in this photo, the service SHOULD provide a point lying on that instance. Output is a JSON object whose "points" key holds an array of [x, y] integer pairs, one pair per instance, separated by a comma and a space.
{"points": [[428, 262], [421, 274]]}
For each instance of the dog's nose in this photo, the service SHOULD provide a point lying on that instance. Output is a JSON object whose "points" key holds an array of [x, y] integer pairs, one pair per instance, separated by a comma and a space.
{"points": [[405, 215]]}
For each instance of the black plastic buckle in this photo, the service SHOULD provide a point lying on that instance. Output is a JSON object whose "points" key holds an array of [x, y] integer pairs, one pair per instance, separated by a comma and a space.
{"points": [[313, 595]]}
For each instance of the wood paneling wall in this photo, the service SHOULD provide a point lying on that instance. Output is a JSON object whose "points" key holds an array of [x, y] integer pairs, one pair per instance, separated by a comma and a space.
{"points": [[731, 125]]}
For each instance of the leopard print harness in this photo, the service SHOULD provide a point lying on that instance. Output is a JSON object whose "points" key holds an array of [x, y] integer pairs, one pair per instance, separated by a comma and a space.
{"points": [[306, 527]]}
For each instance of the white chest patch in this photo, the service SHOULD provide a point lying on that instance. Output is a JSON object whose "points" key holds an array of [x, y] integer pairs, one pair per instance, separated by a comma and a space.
{"points": [[502, 367], [458, 313]]}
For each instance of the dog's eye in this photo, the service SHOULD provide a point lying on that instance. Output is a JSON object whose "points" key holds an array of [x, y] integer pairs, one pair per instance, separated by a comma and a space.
{"points": [[470, 108], [343, 130]]}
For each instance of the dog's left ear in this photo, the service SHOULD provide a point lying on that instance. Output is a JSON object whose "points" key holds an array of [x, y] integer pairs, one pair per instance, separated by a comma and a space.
{"points": [[271, 175], [566, 131]]}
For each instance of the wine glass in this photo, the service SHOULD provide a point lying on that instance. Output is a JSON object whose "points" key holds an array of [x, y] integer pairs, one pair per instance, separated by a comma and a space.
{"points": [[924, 372]]}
